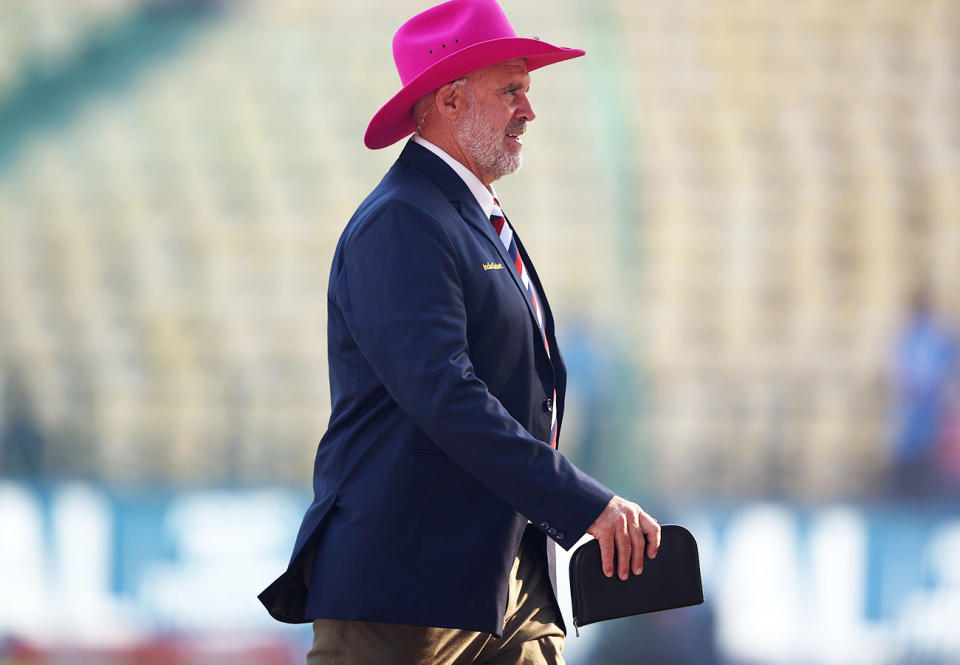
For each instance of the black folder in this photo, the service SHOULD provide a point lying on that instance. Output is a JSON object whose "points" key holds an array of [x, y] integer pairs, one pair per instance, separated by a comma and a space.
{"points": [[670, 581]]}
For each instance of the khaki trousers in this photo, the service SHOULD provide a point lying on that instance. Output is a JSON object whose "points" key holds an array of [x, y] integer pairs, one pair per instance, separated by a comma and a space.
{"points": [[531, 635]]}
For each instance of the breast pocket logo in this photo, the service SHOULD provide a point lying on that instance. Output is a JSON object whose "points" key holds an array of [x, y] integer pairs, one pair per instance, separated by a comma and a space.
{"points": [[493, 266]]}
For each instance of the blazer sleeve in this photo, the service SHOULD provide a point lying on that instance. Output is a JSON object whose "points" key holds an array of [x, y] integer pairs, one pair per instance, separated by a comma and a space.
{"points": [[400, 292]]}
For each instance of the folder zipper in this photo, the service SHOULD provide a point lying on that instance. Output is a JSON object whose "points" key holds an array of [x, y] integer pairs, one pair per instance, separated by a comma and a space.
{"points": [[575, 597]]}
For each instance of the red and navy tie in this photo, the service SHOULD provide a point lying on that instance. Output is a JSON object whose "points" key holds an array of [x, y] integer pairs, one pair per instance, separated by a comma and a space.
{"points": [[503, 229]]}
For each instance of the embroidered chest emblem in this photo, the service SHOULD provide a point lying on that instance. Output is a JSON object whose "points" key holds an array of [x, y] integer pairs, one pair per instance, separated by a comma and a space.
{"points": [[493, 266]]}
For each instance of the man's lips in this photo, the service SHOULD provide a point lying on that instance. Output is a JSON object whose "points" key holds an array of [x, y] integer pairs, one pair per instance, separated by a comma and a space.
{"points": [[515, 136]]}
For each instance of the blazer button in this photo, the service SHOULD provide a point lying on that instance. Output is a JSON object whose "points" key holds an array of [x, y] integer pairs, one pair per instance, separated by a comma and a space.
{"points": [[548, 405], [544, 525], [559, 536], [552, 531]]}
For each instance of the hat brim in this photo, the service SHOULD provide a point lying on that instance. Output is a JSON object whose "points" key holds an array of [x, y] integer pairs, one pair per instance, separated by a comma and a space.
{"points": [[394, 120]]}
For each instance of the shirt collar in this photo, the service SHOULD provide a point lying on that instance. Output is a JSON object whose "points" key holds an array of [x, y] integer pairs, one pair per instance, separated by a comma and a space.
{"points": [[485, 197]]}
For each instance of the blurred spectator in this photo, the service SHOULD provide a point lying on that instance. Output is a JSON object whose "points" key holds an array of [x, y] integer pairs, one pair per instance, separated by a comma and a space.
{"points": [[926, 378], [604, 397], [949, 444], [21, 440]]}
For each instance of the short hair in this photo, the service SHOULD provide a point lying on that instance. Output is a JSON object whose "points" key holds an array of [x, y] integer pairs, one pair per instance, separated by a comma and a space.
{"points": [[420, 114]]}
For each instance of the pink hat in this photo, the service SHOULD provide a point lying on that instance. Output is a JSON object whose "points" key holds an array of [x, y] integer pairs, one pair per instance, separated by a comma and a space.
{"points": [[443, 44]]}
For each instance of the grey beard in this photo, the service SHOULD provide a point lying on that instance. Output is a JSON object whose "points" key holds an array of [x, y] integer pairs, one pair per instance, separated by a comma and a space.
{"points": [[485, 144]]}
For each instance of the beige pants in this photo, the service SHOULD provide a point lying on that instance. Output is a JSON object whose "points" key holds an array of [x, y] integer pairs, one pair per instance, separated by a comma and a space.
{"points": [[531, 635]]}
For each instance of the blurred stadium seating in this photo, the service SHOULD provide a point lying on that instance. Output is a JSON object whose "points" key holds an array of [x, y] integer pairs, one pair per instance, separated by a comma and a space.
{"points": [[731, 203], [756, 187]]}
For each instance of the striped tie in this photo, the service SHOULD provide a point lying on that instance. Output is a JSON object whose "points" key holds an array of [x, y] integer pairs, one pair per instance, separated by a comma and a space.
{"points": [[506, 237]]}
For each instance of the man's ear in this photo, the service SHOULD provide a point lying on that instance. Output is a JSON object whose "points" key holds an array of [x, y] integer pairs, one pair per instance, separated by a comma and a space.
{"points": [[449, 101]]}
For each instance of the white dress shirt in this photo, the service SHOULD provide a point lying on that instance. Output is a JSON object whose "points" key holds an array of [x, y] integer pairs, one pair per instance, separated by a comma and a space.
{"points": [[483, 195]]}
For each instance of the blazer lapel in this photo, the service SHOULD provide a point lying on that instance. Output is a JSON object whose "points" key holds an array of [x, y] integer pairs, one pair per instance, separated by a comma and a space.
{"points": [[556, 359], [538, 287], [466, 204], [476, 219]]}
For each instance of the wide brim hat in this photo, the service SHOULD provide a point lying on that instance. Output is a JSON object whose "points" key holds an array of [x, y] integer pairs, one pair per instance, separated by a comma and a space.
{"points": [[446, 43]]}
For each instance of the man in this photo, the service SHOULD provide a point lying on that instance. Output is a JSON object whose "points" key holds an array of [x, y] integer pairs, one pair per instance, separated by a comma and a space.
{"points": [[438, 482]]}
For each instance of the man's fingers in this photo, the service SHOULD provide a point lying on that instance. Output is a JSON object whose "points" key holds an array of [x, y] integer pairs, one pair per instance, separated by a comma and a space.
{"points": [[636, 542], [606, 551], [623, 547], [651, 530], [624, 530]]}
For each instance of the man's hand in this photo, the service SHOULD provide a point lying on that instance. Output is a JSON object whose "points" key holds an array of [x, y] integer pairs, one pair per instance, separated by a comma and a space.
{"points": [[624, 524]]}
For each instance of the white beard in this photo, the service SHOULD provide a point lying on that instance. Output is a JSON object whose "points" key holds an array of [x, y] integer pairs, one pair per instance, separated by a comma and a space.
{"points": [[485, 144]]}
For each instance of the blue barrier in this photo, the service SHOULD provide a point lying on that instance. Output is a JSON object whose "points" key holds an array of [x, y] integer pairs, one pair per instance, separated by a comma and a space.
{"points": [[844, 583]]}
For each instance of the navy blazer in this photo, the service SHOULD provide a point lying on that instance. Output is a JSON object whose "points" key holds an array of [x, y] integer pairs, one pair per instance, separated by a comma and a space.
{"points": [[435, 457]]}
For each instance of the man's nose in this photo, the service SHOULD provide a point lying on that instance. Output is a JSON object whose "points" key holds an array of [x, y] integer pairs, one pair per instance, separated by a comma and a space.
{"points": [[526, 110]]}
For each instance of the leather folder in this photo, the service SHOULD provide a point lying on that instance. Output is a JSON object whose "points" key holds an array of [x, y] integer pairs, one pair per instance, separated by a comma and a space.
{"points": [[670, 581]]}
